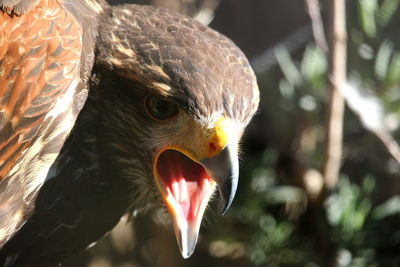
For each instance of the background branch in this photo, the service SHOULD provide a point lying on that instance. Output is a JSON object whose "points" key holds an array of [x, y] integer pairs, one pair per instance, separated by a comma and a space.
{"points": [[337, 59], [313, 9]]}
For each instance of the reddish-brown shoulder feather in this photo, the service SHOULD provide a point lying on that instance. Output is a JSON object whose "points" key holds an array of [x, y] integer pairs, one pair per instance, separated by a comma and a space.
{"points": [[43, 68], [40, 54]]}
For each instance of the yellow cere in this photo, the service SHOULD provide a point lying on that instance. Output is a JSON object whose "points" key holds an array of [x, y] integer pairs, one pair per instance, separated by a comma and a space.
{"points": [[222, 134]]}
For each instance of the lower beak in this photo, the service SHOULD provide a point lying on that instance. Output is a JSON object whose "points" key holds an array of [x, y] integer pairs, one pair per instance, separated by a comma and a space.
{"points": [[187, 186]]}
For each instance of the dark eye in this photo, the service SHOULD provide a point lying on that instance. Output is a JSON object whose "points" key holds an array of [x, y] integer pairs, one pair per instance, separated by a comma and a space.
{"points": [[160, 108]]}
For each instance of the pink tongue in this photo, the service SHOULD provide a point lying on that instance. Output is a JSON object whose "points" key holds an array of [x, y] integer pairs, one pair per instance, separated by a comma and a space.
{"points": [[183, 179]]}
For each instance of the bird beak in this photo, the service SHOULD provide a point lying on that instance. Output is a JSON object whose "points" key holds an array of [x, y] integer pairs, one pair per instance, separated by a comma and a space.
{"points": [[186, 187], [224, 170]]}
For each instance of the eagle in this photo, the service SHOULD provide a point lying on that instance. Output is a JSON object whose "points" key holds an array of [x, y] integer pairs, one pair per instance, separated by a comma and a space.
{"points": [[106, 109]]}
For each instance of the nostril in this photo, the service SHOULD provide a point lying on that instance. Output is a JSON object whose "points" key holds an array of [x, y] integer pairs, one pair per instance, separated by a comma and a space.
{"points": [[212, 147]]}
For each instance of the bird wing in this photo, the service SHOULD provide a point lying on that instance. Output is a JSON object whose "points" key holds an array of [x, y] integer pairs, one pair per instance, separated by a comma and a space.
{"points": [[43, 71]]}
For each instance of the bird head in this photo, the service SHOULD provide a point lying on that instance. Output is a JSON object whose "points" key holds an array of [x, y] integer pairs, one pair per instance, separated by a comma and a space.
{"points": [[186, 94]]}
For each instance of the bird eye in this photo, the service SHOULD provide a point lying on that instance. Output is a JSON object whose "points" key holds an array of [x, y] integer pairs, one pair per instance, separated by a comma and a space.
{"points": [[160, 108]]}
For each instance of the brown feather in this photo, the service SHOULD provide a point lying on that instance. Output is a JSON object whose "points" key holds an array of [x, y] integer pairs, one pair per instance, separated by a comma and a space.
{"points": [[179, 57], [139, 49], [42, 61], [26, 70]]}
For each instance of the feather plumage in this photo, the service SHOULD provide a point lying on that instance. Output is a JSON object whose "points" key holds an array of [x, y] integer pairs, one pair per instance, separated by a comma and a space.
{"points": [[42, 88], [105, 166]]}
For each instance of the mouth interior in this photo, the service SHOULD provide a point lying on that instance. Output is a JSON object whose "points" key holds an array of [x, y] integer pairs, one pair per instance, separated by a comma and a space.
{"points": [[185, 185]]}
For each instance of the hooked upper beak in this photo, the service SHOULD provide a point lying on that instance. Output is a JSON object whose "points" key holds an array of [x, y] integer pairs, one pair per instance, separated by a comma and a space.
{"points": [[224, 170]]}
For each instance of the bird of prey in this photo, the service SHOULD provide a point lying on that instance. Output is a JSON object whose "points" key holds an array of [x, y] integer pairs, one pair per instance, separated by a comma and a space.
{"points": [[106, 109]]}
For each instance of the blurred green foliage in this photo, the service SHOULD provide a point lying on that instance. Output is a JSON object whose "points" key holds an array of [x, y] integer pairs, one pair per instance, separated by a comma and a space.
{"points": [[357, 223]]}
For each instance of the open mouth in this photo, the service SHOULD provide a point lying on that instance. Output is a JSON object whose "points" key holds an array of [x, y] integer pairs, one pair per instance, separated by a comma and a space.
{"points": [[186, 188], [184, 184]]}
